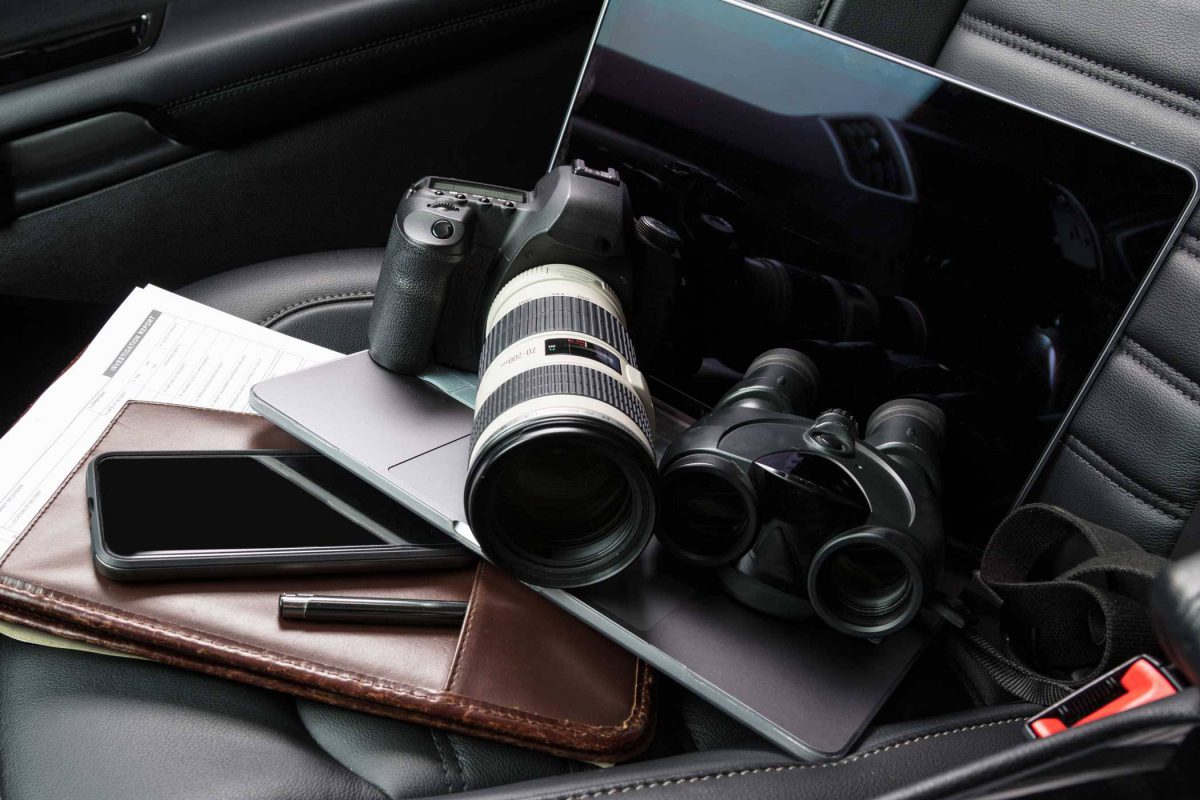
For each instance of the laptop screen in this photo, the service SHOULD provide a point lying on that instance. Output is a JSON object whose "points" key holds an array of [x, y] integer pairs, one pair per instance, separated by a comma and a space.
{"points": [[913, 237]]}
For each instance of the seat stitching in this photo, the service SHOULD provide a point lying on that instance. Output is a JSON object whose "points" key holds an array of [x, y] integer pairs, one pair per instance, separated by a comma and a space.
{"points": [[1144, 361], [407, 37], [1166, 504], [1161, 369], [716, 776], [1087, 60], [1070, 449], [1079, 70], [462, 772], [271, 319], [442, 758]]}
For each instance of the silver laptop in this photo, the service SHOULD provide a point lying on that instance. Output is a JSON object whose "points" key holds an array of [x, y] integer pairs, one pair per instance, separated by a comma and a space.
{"points": [[846, 172]]}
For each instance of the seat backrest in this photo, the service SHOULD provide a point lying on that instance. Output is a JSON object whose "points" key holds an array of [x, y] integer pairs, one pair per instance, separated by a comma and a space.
{"points": [[1131, 459]]}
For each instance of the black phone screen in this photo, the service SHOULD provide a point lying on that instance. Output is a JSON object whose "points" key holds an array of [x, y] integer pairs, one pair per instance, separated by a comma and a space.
{"points": [[162, 503]]}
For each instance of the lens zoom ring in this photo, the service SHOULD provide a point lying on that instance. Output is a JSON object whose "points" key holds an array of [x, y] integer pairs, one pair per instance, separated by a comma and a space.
{"points": [[568, 379], [556, 313]]}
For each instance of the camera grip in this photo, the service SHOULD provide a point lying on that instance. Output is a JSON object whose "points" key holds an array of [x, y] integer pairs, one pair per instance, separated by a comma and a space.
{"points": [[408, 303]]}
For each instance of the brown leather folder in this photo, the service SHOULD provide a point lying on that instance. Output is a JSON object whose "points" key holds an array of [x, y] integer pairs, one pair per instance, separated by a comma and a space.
{"points": [[520, 670]]}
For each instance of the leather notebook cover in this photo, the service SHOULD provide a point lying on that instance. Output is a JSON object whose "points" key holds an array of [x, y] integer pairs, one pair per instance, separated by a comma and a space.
{"points": [[520, 670]]}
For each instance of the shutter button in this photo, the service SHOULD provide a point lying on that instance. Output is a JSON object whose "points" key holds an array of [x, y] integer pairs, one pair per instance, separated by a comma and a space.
{"points": [[442, 229]]}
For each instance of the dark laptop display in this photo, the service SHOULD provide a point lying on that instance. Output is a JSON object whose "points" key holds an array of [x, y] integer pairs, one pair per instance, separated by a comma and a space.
{"points": [[913, 237]]}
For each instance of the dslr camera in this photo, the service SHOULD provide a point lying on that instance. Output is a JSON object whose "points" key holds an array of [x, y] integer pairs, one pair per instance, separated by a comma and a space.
{"points": [[532, 289], [801, 515]]}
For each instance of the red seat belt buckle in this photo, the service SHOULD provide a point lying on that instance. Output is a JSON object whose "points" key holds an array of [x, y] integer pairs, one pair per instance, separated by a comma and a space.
{"points": [[1135, 683]]}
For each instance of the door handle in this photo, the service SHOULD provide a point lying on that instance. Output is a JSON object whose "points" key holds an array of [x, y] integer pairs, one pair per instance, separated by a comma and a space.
{"points": [[89, 47]]}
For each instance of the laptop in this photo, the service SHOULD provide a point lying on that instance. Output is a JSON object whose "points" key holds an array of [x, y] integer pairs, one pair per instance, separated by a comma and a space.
{"points": [[910, 233]]}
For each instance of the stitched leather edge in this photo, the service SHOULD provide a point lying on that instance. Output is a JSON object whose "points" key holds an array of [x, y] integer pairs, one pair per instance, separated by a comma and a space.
{"points": [[716, 776], [1151, 497], [320, 299], [1119, 487], [465, 638], [980, 31], [1133, 76], [643, 677], [351, 53], [1172, 378]]}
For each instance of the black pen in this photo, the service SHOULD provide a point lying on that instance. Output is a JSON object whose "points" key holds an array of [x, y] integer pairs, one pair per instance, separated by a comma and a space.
{"points": [[377, 610]]}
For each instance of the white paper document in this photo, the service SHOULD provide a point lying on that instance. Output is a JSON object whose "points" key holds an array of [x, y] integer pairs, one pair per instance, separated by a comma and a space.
{"points": [[157, 347]]}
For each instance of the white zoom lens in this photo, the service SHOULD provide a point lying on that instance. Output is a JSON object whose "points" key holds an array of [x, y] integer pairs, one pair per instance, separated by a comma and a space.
{"points": [[561, 487]]}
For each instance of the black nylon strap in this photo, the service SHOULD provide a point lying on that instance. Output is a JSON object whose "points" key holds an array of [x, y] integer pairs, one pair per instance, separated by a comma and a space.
{"points": [[1074, 602], [1013, 677]]}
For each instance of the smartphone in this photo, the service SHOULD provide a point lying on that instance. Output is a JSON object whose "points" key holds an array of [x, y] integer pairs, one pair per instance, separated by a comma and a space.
{"points": [[181, 515]]}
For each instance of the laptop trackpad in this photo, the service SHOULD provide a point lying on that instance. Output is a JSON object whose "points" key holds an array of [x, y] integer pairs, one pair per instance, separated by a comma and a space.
{"points": [[360, 408], [437, 478]]}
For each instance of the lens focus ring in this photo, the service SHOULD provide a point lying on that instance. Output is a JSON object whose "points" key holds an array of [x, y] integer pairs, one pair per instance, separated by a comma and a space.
{"points": [[564, 379], [556, 313]]}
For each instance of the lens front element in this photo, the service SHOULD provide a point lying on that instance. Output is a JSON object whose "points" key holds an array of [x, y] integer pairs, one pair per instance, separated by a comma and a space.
{"points": [[561, 487]]}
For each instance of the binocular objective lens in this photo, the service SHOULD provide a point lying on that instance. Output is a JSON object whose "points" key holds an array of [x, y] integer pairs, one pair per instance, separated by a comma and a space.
{"points": [[868, 582]]}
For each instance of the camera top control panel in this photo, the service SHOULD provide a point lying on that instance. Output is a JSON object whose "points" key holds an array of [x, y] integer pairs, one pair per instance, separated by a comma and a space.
{"points": [[447, 213]]}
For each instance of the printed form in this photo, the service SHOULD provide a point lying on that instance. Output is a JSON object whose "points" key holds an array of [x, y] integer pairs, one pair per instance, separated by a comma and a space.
{"points": [[157, 347]]}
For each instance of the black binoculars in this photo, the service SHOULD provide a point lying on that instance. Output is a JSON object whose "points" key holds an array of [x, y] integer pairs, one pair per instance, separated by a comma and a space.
{"points": [[801, 515]]}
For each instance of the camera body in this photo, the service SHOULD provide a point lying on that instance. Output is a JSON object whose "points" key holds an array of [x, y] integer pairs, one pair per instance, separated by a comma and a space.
{"points": [[454, 244], [801, 515]]}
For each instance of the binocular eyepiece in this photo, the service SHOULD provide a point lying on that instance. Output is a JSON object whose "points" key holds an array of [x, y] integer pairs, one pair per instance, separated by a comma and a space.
{"points": [[803, 515]]}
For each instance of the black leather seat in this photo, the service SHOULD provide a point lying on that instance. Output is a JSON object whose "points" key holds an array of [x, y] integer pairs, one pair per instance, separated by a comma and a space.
{"points": [[78, 725], [75, 724], [323, 298]]}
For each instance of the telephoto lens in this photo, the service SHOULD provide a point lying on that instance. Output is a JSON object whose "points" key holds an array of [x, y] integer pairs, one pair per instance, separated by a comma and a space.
{"points": [[561, 489]]}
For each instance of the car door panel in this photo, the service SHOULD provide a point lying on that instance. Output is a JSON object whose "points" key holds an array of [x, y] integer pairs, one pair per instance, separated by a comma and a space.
{"points": [[327, 183], [257, 130], [213, 52]]}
